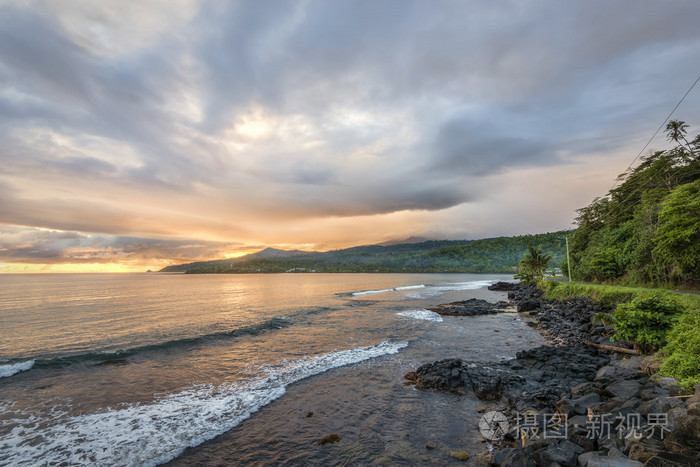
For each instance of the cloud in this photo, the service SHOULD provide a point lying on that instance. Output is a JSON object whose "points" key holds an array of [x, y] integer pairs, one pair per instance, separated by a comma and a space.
{"points": [[249, 123], [31, 245]]}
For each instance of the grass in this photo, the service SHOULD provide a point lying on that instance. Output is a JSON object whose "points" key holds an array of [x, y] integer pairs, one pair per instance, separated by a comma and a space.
{"points": [[611, 295]]}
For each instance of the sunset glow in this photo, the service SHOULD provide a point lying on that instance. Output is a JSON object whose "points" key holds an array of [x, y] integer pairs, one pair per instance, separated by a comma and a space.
{"points": [[140, 137]]}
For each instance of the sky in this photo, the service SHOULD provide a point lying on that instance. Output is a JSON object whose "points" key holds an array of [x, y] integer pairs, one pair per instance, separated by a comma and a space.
{"points": [[135, 135]]}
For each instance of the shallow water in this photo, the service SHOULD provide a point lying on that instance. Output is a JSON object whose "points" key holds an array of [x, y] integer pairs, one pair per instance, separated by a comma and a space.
{"points": [[132, 369]]}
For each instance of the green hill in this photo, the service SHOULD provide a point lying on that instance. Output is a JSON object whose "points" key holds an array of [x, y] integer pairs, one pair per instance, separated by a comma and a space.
{"points": [[499, 254]]}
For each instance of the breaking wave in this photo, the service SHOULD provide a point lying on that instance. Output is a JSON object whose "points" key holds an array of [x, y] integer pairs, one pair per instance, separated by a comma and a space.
{"points": [[150, 434], [395, 289], [14, 368], [425, 315]]}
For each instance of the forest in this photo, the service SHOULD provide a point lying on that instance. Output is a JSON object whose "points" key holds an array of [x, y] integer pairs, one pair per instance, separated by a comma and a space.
{"points": [[646, 230], [500, 254]]}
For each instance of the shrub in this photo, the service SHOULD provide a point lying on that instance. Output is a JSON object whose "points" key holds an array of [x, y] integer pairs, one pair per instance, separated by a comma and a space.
{"points": [[525, 277], [612, 298], [683, 350], [647, 320]]}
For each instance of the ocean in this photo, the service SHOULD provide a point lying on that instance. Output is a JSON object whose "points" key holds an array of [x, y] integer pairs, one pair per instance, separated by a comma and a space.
{"points": [[146, 369]]}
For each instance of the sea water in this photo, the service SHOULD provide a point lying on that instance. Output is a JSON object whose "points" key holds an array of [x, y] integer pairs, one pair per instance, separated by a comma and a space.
{"points": [[143, 369]]}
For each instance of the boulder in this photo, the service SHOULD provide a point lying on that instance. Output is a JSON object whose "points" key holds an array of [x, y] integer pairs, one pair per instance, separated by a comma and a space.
{"points": [[684, 438], [486, 382], [563, 452], [585, 388], [581, 405], [610, 373], [644, 449], [634, 363], [671, 385], [625, 389], [471, 307], [667, 459], [598, 459], [652, 391], [521, 457], [528, 305]]}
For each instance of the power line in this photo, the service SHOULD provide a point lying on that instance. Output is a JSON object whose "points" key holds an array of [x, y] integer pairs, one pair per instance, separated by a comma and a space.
{"points": [[657, 130], [621, 208]]}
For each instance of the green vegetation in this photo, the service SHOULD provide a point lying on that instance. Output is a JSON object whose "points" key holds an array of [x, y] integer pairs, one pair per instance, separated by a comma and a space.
{"points": [[500, 254], [677, 252], [612, 296], [508, 251], [646, 231], [534, 264], [650, 318], [683, 350], [646, 321]]}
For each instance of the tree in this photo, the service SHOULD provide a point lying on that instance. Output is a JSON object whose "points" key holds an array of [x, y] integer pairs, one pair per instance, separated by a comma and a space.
{"points": [[676, 131], [624, 237], [535, 261], [678, 235]]}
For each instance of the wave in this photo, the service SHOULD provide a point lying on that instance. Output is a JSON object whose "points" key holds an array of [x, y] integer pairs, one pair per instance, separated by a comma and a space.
{"points": [[425, 315], [409, 287], [150, 434], [14, 368], [438, 289], [395, 289], [117, 357], [427, 290], [471, 285]]}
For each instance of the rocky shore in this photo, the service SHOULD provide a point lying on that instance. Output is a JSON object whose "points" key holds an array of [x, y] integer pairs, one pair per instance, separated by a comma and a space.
{"points": [[568, 403]]}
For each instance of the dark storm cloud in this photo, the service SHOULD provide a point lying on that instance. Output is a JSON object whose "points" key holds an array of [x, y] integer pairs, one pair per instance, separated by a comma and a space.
{"points": [[475, 148], [130, 119]]}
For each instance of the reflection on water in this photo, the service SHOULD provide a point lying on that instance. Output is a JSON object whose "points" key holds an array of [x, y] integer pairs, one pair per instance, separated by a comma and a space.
{"points": [[177, 360]]}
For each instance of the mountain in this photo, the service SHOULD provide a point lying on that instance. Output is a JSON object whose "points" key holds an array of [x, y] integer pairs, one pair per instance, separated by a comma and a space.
{"points": [[277, 253], [498, 254], [409, 240]]}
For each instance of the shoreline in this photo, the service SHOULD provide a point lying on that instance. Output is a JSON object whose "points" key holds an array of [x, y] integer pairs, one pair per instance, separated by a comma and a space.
{"points": [[379, 420], [601, 408]]}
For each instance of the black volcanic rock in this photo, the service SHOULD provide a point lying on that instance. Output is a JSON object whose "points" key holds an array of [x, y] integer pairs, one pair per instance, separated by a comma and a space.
{"points": [[501, 286], [538, 378], [581, 383], [471, 307]]}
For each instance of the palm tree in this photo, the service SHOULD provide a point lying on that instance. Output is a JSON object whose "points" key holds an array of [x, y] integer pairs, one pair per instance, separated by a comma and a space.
{"points": [[676, 130], [535, 261]]}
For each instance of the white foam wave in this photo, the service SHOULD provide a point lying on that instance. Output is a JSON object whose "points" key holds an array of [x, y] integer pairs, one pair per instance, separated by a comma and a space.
{"points": [[409, 287], [424, 293], [425, 315], [404, 287], [9, 370], [439, 289], [150, 434], [471, 285], [368, 292]]}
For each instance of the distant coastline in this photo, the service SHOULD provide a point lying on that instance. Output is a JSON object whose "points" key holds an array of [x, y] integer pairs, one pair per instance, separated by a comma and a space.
{"points": [[491, 255]]}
